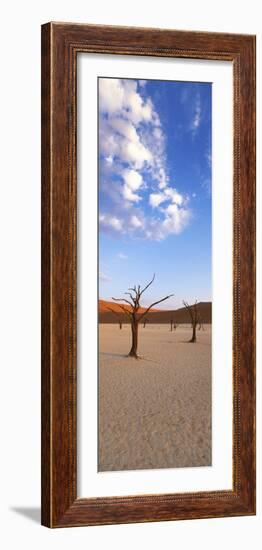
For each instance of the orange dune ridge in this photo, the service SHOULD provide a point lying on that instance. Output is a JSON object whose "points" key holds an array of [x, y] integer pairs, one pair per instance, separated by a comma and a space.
{"points": [[105, 306]]}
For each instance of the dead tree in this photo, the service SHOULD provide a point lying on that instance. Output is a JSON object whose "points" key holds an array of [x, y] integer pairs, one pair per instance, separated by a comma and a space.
{"points": [[200, 324], [145, 322], [133, 311], [173, 325], [117, 316], [193, 313]]}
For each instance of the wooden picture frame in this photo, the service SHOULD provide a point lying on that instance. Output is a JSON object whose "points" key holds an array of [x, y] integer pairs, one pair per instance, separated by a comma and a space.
{"points": [[61, 43]]}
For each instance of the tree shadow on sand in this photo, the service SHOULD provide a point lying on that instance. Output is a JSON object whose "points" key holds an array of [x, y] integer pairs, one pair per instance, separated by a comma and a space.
{"points": [[109, 354], [187, 342], [130, 358], [175, 342]]}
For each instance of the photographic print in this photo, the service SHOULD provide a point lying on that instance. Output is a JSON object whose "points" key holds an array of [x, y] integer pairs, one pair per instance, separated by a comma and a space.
{"points": [[148, 251], [155, 276]]}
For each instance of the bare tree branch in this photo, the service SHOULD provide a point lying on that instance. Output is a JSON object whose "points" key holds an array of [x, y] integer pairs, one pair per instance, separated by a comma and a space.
{"points": [[135, 294], [125, 310], [150, 283], [194, 316], [132, 297], [116, 314], [154, 304], [192, 310], [122, 300], [113, 311], [123, 307], [132, 289]]}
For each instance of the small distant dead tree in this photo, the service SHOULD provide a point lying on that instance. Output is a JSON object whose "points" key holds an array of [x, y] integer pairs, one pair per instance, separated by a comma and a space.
{"points": [[145, 322], [200, 324], [133, 313], [193, 313], [117, 316], [173, 324]]}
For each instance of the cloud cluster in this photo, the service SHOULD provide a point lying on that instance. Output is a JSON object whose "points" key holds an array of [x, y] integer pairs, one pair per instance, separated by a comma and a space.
{"points": [[104, 278], [197, 116], [136, 197]]}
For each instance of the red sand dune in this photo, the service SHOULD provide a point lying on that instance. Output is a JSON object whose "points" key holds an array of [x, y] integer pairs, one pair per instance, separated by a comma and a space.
{"points": [[104, 306], [155, 315]]}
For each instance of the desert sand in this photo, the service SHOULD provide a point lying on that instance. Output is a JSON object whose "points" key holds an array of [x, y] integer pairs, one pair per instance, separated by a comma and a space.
{"points": [[154, 412]]}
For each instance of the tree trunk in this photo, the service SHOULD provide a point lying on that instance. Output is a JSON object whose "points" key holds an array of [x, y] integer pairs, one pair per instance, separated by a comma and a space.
{"points": [[193, 339], [120, 325], [133, 351], [171, 326]]}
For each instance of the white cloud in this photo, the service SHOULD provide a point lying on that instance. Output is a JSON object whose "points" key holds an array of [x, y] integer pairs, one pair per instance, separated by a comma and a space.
{"points": [[104, 278], [209, 158], [169, 193], [133, 165], [129, 195], [116, 223], [135, 153], [133, 179], [124, 128], [176, 219], [175, 197], [119, 139], [158, 133], [111, 221], [122, 256], [206, 184], [197, 116], [137, 109], [136, 222], [155, 199], [117, 95], [111, 95]]}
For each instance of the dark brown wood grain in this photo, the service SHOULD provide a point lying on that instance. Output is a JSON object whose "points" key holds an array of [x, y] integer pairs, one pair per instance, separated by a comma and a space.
{"points": [[60, 44]]}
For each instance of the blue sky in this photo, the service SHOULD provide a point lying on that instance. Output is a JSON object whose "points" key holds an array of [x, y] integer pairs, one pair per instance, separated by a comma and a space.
{"points": [[155, 188]]}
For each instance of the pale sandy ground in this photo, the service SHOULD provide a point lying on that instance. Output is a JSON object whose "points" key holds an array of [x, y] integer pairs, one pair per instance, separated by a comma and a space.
{"points": [[154, 412]]}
